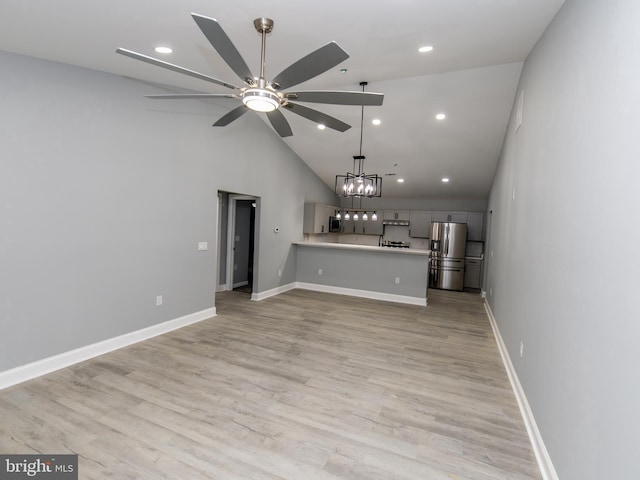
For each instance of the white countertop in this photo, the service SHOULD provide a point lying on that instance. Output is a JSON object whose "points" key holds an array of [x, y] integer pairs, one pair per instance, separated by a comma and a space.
{"points": [[365, 248]]}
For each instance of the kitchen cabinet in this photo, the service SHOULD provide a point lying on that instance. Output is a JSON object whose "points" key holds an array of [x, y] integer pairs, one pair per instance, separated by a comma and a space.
{"points": [[455, 217], [362, 227], [316, 217], [419, 224], [396, 215], [472, 273], [372, 228], [475, 226], [439, 216]]}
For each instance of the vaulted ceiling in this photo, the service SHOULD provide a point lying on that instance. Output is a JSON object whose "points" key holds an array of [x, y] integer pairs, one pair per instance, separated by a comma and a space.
{"points": [[471, 74]]}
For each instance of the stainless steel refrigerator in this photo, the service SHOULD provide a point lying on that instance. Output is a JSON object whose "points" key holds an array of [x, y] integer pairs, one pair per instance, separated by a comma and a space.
{"points": [[448, 245]]}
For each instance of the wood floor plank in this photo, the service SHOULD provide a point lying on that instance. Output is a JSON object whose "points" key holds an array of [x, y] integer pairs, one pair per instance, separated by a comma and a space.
{"points": [[304, 385]]}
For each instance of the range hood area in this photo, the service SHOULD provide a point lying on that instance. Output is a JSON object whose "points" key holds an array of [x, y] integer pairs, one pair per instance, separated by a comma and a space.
{"points": [[397, 223]]}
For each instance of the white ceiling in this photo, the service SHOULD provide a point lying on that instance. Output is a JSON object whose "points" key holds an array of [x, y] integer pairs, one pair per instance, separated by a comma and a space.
{"points": [[471, 75]]}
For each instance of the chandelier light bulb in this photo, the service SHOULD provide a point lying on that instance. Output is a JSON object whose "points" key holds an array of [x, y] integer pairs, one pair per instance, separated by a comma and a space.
{"points": [[365, 217], [355, 216], [374, 217], [347, 216], [338, 216]]}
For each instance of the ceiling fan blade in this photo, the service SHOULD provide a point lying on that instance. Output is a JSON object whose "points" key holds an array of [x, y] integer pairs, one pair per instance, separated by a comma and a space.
{"points": [[336, 97], [280, 123], [318, 117], [175, 68], [314, 64], [231, 116], [191, 95], [223, 45]]}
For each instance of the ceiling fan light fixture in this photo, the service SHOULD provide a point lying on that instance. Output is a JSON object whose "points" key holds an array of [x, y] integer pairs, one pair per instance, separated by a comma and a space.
{"points": [[261, 100]]}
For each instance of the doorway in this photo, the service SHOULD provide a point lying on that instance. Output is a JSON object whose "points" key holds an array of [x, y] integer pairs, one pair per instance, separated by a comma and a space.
{"points": [[237, 241]]}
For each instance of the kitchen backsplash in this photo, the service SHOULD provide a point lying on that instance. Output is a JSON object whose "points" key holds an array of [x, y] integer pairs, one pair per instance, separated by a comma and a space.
{"points": [[391, 234]]}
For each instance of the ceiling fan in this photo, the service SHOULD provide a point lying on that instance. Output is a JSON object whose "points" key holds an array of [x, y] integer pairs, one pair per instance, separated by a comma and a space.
{"points": [[261, 95]]}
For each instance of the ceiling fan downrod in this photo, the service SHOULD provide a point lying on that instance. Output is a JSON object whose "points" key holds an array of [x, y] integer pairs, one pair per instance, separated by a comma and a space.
{"points": [[259, 98]]}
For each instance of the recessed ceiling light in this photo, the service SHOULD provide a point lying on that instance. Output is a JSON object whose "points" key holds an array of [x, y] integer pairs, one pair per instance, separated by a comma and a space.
{"points": [[321, 126], [164, 50], [401, 180], [376, 121], [445, 180], [425, 49], [441, 116]]}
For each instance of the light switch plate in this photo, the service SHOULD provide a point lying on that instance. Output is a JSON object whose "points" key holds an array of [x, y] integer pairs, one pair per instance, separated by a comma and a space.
{"points": [[203, 246]]}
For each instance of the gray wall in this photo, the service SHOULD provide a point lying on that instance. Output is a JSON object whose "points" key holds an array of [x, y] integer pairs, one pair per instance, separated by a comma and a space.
{"points": [[563, 278], [104, 195]]}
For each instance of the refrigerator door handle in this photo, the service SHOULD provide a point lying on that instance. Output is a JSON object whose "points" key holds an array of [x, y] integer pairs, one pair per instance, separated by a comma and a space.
{"points": [[446, 240]]}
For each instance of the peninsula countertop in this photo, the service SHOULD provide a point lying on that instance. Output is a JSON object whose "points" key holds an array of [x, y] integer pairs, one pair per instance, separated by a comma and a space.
{"points": [[365, 248]]}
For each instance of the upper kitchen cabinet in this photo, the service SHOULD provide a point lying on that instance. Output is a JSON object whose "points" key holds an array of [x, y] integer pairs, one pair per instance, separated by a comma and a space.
{"points": [[475, 226], [455, 217], [370, 227], [396, 215], [362, 227], [316, 217], [474, 221], [419, 224]]}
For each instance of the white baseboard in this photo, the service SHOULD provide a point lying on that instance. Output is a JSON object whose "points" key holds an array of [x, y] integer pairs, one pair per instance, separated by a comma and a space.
{"points": [[66, 359], [273, 292], [542, 455], [387, 297]]}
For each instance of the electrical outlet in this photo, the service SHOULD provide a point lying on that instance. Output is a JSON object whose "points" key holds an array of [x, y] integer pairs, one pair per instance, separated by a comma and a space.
{"points": [[319, 271], [397, 280], [513, 194], [491, 291], [202, 246], [158, 300], [521, 349], [279, 272]]}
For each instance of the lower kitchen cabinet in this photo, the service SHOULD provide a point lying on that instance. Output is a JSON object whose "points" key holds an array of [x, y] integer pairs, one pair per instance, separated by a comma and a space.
{"points": [[472, 273]]}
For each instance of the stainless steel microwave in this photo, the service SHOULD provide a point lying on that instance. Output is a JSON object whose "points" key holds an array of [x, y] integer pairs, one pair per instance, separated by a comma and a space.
{"points": [[335, 225]]}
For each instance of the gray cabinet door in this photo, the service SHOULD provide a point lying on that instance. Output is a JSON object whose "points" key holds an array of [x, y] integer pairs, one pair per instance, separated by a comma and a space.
{"points": [[420, 224], [458, 217], [373, 228], [475, 226], [472, 273], [358, 225], [396, 214], [439, 216]]}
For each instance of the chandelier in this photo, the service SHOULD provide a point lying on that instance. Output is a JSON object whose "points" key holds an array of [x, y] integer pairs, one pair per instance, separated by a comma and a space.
{"points": [[357, 183]]}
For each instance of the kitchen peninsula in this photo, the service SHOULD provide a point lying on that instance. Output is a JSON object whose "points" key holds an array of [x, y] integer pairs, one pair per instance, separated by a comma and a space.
{"points": [[390, 274]]}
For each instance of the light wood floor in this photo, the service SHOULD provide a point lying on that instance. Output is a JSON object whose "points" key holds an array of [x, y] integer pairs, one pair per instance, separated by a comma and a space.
{"points": [[301, 386]]}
